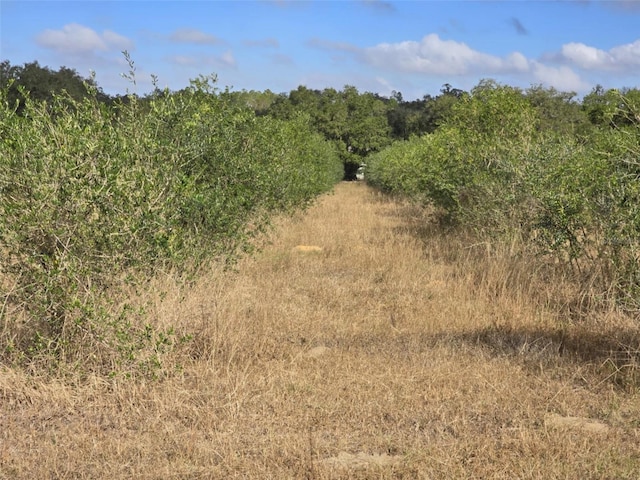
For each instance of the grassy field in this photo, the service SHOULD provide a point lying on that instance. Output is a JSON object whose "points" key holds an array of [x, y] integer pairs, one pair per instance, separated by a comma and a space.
{"points": [[390, 351]]}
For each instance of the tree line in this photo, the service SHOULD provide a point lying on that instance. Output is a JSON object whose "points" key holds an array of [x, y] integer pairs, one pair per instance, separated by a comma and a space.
{"points": [[357, 123]]}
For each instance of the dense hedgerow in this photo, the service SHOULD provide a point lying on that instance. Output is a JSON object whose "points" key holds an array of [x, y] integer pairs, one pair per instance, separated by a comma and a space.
{"points": [[493, 169], [476, 159], [89, 193]]}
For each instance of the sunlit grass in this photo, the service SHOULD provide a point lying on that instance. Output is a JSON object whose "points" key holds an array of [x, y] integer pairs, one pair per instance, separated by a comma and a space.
{"points": [[393, 352]]}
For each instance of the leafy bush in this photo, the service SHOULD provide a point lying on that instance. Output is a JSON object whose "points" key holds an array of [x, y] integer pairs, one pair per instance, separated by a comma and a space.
{"points": [[572, 194], [91, 193], [473, 165]]}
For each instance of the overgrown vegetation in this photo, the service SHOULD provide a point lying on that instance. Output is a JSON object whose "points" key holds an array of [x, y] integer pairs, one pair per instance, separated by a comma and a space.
{"points": [[356, 123], [99, 192], [94, 197], [537, 168], [395, 353]]}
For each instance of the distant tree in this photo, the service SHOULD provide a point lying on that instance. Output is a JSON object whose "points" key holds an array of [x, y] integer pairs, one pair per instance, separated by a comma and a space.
{"points": [[305, 99], [366, 129], [417, 117], [332, 115], [557, 111], [41, 83], [286, 106], [493, 111], [355, 122], [397, 118], [613, 107], [598, 107], [442, 106], [397, 96], [259, 102], [407, 118], [7, 72]]}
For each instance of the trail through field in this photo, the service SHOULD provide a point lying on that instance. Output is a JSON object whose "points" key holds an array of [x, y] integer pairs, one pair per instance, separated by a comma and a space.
{"points": [[350, 346]]}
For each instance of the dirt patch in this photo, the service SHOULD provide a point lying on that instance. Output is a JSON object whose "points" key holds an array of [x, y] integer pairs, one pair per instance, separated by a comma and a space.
{"points": [[361, 460], [575, 423], [317, 352]]}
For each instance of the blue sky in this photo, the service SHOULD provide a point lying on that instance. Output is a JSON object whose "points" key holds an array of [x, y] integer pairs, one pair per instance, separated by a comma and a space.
{"points": [[378, 46]]}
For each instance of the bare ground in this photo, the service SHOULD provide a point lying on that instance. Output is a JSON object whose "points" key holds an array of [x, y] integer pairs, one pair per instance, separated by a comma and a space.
{"points": [[380, 353]]}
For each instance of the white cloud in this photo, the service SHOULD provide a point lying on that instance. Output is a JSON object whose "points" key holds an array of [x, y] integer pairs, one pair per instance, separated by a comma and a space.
{"points": [[627, 55], [586, 57], [192, 35], [432, 55], [574, 68], [518, 62], [117, 41], [78, 40], [228, 59], [622, 57], [561, 78], [225, 60]]}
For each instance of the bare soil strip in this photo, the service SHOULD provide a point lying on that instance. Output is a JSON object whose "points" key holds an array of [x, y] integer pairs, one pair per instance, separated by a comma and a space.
{"points": [[369, 353]]}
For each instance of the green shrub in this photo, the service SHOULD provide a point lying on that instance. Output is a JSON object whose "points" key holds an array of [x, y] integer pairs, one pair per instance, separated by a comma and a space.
{"points": [[491, 169], [90, 194]]}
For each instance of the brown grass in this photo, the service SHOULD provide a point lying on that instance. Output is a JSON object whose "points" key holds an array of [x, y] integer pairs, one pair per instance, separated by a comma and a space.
{"points": [[383, 354]]}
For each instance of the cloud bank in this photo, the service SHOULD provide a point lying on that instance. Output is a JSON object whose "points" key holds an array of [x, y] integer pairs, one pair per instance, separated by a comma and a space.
{"points": [[573, 66], [432, 55], [566, 69], [622, 57], [77, 39]]}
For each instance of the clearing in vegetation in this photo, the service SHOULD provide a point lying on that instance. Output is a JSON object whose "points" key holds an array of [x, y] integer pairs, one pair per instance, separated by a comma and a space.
{"points": [[389, 351]]}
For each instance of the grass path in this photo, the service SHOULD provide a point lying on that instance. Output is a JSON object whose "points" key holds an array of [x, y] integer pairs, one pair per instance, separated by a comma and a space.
{"points": [[381, 355]]}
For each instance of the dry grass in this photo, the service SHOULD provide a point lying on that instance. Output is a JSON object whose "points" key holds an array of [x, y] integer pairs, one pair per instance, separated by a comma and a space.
{"points": [[382, 354]]}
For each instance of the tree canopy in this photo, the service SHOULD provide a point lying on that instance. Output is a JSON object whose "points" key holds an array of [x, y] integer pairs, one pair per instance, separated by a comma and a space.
{"points": [[42, 83], [358, 123]]}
